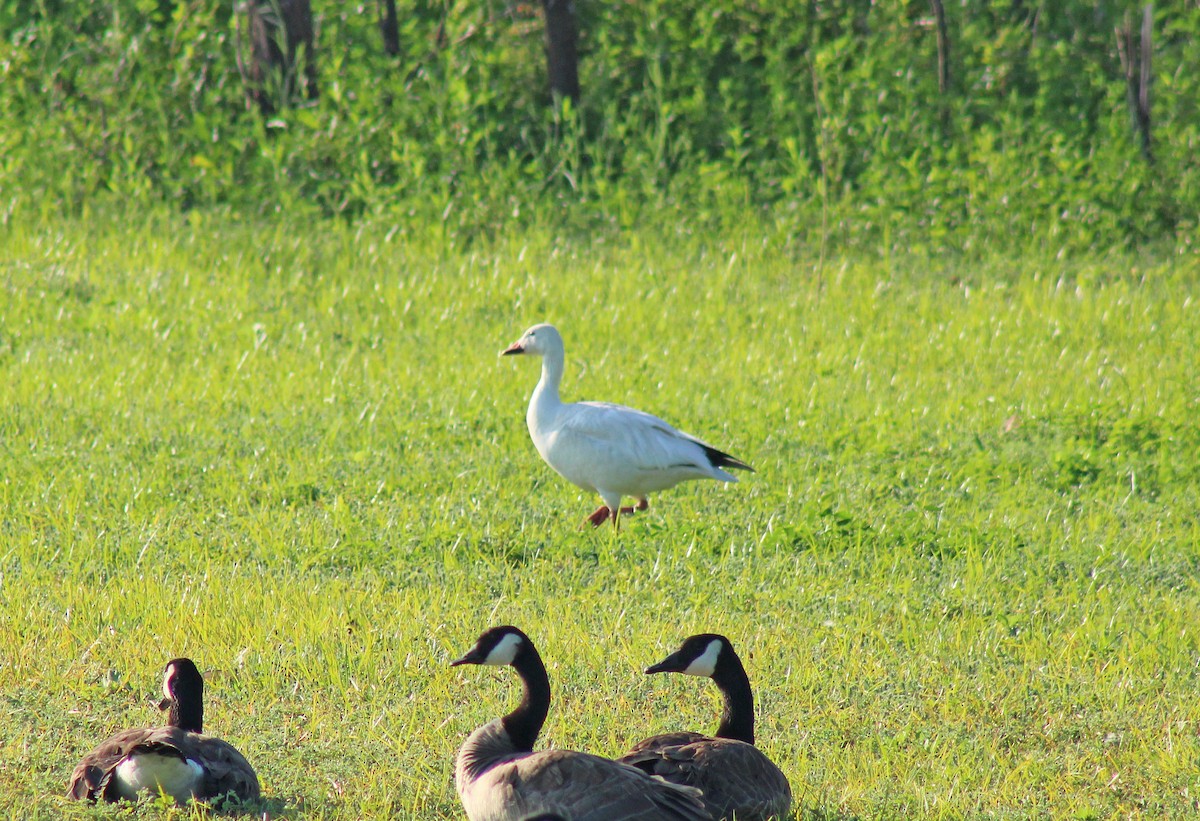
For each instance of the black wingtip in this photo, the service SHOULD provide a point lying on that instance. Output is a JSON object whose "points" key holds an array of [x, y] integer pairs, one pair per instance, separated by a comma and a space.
{"points": [[721, 459]]}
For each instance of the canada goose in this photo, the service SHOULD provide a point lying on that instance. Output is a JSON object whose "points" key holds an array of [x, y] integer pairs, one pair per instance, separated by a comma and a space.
{"points": [[176, 759], [500, 778], [610, 449], [737, 779]]}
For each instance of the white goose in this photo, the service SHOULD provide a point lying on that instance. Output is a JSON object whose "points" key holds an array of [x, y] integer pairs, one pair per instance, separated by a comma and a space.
{"points": [[610, 449]]}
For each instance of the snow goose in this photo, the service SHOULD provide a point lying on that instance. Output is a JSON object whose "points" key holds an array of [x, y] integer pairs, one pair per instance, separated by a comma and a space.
{"points": [[177, 759], [610, 449], [500, 778], [737, 779]]}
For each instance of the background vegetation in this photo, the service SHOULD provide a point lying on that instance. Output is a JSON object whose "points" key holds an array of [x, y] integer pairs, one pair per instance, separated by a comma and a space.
{"points": [[827, 117]]}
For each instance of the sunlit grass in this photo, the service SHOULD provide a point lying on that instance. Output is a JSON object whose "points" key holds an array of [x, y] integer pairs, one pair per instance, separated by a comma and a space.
{"points": [[963, 578]]}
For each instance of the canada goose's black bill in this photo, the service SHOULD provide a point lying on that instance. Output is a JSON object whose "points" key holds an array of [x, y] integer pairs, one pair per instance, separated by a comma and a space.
{"points": [[473, 656], [671, 664]]}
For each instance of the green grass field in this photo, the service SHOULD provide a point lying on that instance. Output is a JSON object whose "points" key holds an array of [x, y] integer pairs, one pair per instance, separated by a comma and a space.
{"points": [[963, 579]]}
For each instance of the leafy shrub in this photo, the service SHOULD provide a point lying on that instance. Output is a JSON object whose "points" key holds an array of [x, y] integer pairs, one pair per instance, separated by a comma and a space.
{"points": [[827, 117]]}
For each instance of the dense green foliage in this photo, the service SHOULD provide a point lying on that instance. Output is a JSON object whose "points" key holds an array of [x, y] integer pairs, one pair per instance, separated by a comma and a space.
{"points": [[826, 117], [964, 576]]}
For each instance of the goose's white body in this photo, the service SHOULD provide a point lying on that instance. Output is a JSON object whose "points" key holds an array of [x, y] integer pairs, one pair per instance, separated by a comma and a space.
{"points": [[149, 772], [611, 450]]}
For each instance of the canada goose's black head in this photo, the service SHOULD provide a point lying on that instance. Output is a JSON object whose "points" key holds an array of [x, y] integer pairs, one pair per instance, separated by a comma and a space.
{"points": [[698, 656], [509, 647], [183, 695], [537, 341], [497, 647]]}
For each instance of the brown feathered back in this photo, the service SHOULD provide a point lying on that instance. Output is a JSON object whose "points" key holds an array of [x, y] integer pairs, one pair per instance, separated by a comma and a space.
{"points": [[226, 771], [209, 767]]}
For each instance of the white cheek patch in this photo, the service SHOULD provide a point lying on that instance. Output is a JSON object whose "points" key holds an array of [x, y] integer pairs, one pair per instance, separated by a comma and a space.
{"points": [[706, 663], [168, 680], [504, 652]]}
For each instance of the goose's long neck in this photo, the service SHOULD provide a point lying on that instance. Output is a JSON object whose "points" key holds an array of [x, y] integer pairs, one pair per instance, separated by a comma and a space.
{"points": [[513, 734], [187, 714], [525, 722], [544, 401], [737, 715]]}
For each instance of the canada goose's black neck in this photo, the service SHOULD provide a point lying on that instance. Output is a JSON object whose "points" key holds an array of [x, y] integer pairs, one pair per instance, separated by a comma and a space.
{"points": [[524, 723], [183, 687], [186, 711], [737, 715]]}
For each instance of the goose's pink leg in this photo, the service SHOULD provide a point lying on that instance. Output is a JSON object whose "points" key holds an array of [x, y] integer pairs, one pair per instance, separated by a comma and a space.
{"points": [[600, 516], [603, 513]]}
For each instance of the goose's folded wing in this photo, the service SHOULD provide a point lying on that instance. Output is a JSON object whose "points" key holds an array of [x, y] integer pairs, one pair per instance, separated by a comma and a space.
{"points": [[590, 788], [227, 770], [632, 437], [648, 749], [94, 771], [736, 778]]}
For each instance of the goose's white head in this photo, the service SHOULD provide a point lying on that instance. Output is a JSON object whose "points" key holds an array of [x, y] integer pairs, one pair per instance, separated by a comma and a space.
{"points": [[540, 340], [697, 656], [497, 647]]}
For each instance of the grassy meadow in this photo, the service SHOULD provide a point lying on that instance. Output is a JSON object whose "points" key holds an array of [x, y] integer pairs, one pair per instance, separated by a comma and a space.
{"points": [[963, 578]]}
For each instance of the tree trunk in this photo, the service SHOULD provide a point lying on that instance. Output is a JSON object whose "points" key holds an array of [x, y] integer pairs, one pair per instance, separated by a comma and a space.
{"points": [[562, 33], [1135, 53], [943, 46], [282, 63], [389, 27]]}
